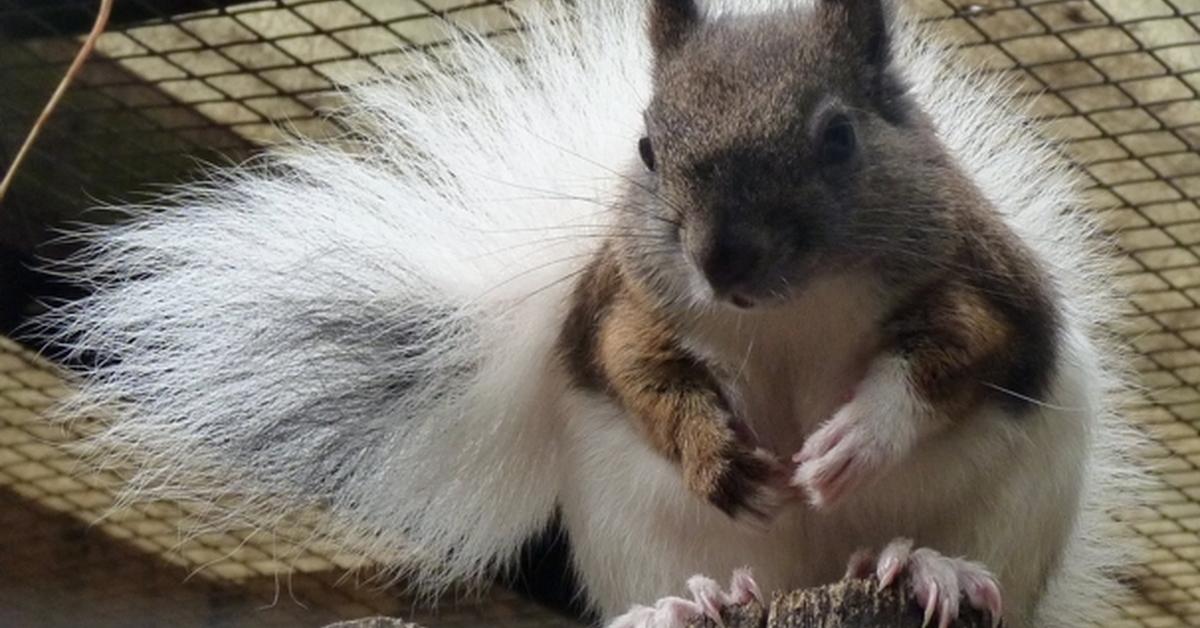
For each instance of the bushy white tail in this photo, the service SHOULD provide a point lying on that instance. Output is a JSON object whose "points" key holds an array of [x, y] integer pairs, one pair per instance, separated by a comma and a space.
{"points": [[368, 330]]}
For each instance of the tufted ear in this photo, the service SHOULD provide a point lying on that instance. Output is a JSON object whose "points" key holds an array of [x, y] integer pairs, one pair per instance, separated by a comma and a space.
{"points": [[671, 21], [868, 24]]}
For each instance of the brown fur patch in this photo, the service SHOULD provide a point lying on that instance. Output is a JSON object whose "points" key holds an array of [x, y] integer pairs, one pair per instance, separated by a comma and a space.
{"points": [[617, 341], [952, 340], [983, 327], [593, 296]]}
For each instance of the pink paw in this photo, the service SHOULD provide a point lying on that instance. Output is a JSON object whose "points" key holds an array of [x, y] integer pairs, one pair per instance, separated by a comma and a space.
{"points": [[708, 599], [938, 582], [882, 421], [842, 454]]}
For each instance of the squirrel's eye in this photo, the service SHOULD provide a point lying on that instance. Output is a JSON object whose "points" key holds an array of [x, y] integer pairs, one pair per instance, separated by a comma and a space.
{"points": [[646, 150], [838, 141]]}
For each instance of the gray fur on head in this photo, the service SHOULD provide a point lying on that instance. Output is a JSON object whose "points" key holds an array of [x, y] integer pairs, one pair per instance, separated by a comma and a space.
{"points": [[671, 21]]}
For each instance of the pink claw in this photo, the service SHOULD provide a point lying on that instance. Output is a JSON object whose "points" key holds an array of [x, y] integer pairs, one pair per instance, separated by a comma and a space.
{"points": [[947, 612], [984, 594], [742, 587], [888, 571], [930, 604], [893, 561], [708, 595], [821, 442], [861, 564]]}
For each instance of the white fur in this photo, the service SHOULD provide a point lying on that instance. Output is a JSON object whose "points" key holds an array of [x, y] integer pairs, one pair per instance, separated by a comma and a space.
{"points": [[264, 320], [876, 429]]}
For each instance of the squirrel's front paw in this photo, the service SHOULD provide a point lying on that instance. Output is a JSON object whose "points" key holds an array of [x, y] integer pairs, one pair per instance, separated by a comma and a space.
{"points": [[747, 483], [875, 429], [842, 454]]}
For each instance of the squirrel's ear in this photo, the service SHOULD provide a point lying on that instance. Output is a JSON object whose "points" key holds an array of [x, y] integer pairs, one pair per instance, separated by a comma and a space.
{"points": [[868, 23], [671, 21]]}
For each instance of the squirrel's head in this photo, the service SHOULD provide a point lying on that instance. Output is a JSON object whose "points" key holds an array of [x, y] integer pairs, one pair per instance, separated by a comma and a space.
{"points": [[771, 142]]}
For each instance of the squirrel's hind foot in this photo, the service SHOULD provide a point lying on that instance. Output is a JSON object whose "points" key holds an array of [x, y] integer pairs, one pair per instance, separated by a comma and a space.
{"points": [[708, 599], [938, 582]]}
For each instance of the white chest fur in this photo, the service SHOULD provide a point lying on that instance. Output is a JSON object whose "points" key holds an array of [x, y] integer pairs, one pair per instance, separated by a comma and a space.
{"points": [[793, 364], [994, 483]]}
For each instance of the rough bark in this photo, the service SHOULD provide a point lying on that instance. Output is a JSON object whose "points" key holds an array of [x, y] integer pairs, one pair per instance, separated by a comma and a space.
{"points": [[374, 622], [847, 604]]}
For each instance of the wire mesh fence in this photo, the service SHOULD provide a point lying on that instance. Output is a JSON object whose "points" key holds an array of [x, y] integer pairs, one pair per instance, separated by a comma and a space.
{"points": [[176, 83]]}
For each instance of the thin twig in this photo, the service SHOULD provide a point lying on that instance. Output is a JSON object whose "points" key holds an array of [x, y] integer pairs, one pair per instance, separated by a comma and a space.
{"points": [[84, 52]]}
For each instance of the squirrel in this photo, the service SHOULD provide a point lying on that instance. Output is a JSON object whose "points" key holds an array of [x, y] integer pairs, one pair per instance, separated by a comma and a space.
{"points": [[771, 289]]}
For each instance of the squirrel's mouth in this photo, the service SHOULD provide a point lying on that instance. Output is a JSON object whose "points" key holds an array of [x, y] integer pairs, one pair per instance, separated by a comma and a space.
{"points": [[767, 286], [741, 302], [773, 289], [749, 299]]}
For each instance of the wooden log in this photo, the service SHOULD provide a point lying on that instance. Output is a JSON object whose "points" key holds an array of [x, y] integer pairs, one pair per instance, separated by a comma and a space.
{"points": [[374, 622], [846, 604]]}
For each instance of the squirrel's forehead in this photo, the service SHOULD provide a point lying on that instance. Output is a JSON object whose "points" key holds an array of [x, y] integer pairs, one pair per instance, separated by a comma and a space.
{"points": [[724, 101], [744, 78], [736, 68], [758, 45]]}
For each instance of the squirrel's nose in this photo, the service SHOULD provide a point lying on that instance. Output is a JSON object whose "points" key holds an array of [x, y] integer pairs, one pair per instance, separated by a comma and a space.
{"points": [[731, 264]]}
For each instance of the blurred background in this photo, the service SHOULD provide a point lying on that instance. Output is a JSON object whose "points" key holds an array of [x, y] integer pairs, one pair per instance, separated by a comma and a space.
{"points": [[176, 84]]}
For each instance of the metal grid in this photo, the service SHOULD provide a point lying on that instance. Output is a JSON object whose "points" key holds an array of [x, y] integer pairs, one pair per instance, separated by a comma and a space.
{"points": [[1117, 81], [208, 85], [69, 560]]}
